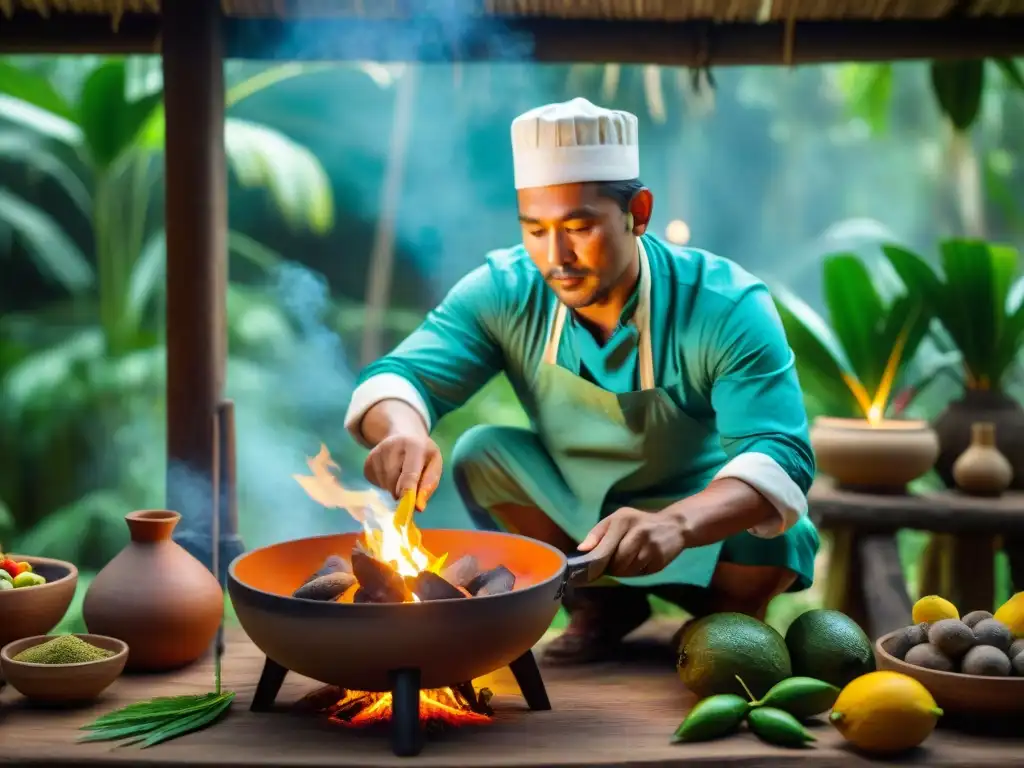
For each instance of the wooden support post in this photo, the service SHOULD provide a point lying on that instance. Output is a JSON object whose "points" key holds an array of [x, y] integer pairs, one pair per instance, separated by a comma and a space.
{"points": [[196, 221]]}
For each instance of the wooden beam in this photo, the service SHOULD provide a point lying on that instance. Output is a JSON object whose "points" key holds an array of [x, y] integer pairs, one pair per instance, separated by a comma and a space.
{"points": [[196, 224], [542, 40]]}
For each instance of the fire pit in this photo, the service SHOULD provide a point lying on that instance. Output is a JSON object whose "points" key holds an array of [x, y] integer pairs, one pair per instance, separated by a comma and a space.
{"points": [[379, 613]]}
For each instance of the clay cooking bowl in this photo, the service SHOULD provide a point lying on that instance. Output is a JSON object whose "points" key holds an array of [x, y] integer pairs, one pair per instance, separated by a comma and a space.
{"points": [[954, 692], [63, 683], [36, 610], [357, 645]]}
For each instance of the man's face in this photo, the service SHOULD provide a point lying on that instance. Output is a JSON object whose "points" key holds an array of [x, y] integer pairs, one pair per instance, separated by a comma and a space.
{"points": [[579, 241]]}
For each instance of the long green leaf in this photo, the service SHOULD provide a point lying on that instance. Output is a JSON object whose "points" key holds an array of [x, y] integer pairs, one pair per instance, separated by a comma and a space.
{"points": [[958, 86], [123, 731], [109, 120], [855, 313], [1012, 72], [23, 148], [33, 89], [918, 277], [298, 183], [40, 121], [146, 274], [151, 709], [818, 359], [190, 725], [54, 252]]}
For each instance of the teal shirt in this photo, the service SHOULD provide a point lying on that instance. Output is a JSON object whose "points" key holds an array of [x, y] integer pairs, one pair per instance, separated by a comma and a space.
{"points": [[720, 351]]}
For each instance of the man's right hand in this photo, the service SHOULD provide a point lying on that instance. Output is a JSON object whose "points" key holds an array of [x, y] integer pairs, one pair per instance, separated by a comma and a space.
{"points": [[405, 462]]}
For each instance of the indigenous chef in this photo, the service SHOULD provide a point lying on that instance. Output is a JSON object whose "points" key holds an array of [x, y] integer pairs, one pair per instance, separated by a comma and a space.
{"points": [[667, 419]]}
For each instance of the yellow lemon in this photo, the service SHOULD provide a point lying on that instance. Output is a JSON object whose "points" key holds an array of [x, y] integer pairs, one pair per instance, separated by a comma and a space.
{"points": [[885, 712], [934, 608], [1011, 613]]}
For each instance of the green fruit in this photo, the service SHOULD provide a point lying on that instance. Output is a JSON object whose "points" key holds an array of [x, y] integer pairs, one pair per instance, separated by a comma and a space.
{"points": [[4, 584], [28, 579], [829, 646], [723, 646], [712, 718], [801, 697], [778, 727], [5, 576]]}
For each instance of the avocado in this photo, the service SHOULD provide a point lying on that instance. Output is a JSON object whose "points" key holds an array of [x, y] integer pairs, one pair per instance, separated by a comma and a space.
{"points": [[829, 645], [985, 660], [929, 657], [974, 617], [718, 648], [994, 633], [952, 637]]}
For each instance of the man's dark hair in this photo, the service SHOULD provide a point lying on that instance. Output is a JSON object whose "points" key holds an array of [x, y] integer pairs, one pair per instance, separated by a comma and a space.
{"points": [[622, 192]]}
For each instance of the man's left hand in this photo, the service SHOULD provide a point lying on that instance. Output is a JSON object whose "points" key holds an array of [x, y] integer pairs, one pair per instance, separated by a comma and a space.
{"points": [[645, 542]]}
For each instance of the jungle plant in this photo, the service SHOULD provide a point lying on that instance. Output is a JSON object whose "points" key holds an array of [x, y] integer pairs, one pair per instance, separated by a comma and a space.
{"points": [[856, 364], [977, 299]]}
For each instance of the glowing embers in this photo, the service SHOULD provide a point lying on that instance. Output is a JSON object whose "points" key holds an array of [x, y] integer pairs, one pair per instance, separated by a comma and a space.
{"points": [[438, 709]]}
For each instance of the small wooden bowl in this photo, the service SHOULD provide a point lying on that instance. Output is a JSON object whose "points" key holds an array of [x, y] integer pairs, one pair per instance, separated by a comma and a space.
{"points": [[31, 611], [63, 683], [955, 692]]}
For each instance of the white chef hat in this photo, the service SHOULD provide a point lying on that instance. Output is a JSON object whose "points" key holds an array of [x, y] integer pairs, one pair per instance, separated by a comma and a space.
{"points": [[574, 141]]}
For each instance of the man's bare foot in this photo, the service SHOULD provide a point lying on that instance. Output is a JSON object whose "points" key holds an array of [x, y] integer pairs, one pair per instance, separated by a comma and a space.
{"points": [[599, 617]]}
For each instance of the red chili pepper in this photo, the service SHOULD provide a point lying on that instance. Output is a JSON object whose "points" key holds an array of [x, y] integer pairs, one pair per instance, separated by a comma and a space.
{"points": [[10, 566]]}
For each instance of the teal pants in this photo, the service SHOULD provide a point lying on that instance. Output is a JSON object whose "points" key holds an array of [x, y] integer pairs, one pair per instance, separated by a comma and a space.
{"points": [[495, 465]]}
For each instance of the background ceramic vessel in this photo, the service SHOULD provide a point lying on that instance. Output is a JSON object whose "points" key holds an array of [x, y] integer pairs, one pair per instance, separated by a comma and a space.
{"points": [[36, 610], [953, 426], [982, 470], [156, 597], [879, 459]]}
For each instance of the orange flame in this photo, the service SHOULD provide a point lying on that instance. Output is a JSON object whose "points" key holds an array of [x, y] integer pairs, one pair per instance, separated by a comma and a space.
{"points": [[392, 537]]}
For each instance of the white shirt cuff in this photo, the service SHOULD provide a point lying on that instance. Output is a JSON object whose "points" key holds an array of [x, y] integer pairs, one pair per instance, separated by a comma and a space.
{"points": [[767, 477], [383, 386]]}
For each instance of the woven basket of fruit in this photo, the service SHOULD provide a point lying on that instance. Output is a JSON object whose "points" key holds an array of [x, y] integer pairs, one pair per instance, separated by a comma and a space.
{"points": [[971, 665]]}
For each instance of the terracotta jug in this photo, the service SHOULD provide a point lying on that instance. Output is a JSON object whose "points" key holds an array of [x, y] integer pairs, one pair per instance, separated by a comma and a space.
{"points": [[982, 470], [156, 597]]}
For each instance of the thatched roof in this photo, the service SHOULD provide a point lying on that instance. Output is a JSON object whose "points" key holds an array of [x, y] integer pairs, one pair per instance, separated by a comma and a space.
{"points": [[749, 11], [670, 32]]}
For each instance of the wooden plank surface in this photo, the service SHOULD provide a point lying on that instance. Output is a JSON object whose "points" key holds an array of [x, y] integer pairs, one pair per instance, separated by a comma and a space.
{"points": [[942, 512], [608, 715]]}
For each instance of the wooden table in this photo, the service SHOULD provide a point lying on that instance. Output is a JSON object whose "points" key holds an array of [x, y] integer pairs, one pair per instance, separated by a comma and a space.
{"points": [[865, 579], [608, 715]]}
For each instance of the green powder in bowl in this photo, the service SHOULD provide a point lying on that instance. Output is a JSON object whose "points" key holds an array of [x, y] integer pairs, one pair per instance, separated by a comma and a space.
{"points": [[66, 649]]}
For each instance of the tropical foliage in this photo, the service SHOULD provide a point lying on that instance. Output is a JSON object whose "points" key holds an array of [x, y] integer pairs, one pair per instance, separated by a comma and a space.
{"points": [[854, 363], [78, 376], [979, 300]]}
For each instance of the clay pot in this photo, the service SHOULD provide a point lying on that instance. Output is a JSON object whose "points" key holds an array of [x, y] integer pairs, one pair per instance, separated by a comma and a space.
{"points": [[36, 610], [982, 470], [873, 459], [953, 426], [156, 597]]}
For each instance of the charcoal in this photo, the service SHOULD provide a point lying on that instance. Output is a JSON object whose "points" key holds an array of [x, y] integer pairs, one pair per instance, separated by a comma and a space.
{"points": [[361, 596], [429, 586], [378, 579], [333, 564], [327, 587], [496, 581], [462, 571]]}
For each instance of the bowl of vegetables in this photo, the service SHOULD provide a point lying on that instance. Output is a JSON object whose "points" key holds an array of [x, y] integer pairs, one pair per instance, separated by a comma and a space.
{"points": [[63, 669], [35, 593]]}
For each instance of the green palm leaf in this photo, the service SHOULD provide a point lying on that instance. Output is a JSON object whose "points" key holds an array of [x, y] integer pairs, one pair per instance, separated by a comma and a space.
{"points": [[23, 148], [55, 252], [263, 157], [33, 89]]}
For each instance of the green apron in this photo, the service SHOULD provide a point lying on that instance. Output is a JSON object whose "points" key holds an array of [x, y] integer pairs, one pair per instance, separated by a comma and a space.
{"points": [[603, 442]]}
